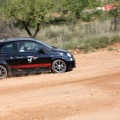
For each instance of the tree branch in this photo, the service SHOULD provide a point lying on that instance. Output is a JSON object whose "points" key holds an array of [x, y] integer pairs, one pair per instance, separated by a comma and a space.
{"points": [[29, 22], [27, 29], [37, 30]]}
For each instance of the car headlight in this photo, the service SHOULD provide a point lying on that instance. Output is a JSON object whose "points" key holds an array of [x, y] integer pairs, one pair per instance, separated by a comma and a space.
{"points": [[69, 55]]}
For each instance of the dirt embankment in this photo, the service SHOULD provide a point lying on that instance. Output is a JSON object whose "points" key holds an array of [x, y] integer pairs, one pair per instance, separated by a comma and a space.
{"points": [[90, 92]]}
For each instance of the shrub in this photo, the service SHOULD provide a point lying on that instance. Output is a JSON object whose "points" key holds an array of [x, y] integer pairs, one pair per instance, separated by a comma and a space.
{"points": [[7, 29]]}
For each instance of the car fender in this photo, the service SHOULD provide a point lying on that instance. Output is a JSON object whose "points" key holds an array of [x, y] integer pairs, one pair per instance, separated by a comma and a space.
{"points": [[65, 58]]}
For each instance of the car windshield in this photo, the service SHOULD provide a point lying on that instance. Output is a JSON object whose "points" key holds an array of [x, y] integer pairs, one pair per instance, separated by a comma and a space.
{"points": [[45, 44]]}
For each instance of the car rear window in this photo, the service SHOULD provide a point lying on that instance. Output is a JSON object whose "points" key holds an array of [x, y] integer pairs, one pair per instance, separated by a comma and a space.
{"points": [[8, 48]]}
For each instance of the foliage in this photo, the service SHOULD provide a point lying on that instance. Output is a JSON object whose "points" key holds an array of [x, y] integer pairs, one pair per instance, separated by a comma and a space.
{"points": [[74, 8], [29, 13], [2, 2], [115, 12], [34, 15], [7, 28]]}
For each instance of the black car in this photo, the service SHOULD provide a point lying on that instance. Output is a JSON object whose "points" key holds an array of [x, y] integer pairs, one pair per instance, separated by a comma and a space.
{"points": [[28, 55]]}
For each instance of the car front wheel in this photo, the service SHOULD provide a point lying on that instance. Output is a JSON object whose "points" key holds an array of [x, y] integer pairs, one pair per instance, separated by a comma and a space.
{"points": [[59, 66], [3, 72]]}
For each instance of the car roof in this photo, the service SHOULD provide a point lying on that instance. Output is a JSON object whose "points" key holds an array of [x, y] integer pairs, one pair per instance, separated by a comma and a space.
{"points": [[15, 39]]}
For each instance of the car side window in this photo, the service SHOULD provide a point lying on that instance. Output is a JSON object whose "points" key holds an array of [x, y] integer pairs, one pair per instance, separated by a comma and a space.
{"points": [[8, 48], [28, 46]]}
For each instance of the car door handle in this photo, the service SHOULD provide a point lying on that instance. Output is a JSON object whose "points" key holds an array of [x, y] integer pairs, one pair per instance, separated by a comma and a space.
{"points": [[19, 57]]}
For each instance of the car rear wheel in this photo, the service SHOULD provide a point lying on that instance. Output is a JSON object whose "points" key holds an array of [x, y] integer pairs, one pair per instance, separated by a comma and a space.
{"points": [[59, 66], [3, 72]]}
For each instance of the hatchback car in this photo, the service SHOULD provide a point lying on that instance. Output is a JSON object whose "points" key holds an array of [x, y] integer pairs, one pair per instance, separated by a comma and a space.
{"points": [[28, 55]]}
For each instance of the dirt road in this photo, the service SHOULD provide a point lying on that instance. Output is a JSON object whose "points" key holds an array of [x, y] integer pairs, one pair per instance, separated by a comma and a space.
{"points": [[90, 92]]}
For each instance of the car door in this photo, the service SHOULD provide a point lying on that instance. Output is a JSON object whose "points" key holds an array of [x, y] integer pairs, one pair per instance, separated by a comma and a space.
{"points": [[9, 55], [30, 59]]}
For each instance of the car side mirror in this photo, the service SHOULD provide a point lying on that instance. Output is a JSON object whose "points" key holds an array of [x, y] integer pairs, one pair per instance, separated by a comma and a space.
{"points": [[41, 51]]}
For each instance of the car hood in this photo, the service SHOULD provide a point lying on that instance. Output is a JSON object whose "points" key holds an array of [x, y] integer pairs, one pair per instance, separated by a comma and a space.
{"points": [[59, 50]]}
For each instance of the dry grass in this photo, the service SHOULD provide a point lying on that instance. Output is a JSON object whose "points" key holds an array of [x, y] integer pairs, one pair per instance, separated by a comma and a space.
{"points": [[84, 36]]}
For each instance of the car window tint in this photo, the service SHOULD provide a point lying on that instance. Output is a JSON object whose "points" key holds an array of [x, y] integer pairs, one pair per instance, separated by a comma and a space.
{"points": [[9, 48], [28, 46]]}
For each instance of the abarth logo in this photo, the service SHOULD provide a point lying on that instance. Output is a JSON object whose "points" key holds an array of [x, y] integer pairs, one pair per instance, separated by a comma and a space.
{"points": [[31, 58]]}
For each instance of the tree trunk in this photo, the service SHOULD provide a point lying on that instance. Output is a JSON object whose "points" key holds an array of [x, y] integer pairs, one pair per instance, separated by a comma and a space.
{"points": [[37, 30], [26, 26]]}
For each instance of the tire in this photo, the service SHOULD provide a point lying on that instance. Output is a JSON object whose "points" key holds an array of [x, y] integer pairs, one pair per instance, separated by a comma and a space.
{"points": [[59, 66], [3, 72]]}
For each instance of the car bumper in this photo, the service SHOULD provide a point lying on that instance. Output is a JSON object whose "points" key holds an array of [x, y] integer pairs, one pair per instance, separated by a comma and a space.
{"points": [[71, 64]]}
